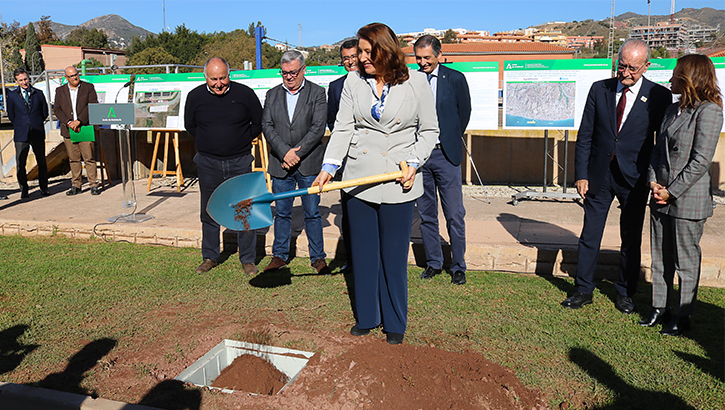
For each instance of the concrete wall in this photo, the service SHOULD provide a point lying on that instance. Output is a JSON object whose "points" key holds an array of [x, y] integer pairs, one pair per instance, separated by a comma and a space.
{"points": [[510, 157]]}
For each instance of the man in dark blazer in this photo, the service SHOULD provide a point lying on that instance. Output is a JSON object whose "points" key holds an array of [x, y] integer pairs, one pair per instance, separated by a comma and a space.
{"points": [[442, 172], [613, 150], [27, 110], [293, 122], [71, 109], [348, 56]]}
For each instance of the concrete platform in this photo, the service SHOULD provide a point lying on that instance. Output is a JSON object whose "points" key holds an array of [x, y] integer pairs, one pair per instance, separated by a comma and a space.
{"points": [[536, 236]]}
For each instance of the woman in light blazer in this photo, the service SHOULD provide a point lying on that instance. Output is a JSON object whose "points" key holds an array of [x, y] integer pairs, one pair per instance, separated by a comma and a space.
{"points": [[387, 115], [679, 177]]}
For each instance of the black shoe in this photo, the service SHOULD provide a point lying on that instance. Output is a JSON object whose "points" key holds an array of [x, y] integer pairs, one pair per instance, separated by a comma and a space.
{"points": [[356, 331], [95, 191], [3, 197], [394, 338], [458, 278], [656, 316], [44, 192], [24, 193], [676, 326], [73, 191], [624, 304], [429, 272], [577, 300]]}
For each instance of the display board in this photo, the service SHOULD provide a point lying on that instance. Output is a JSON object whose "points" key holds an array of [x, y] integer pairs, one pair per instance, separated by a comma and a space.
{"points": [[482, 79], [548, 94], [720, 71], [159, 99], [262, 81]]}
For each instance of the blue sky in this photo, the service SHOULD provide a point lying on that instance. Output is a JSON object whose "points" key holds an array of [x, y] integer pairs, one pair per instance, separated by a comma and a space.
{"points": [[326, 21]]}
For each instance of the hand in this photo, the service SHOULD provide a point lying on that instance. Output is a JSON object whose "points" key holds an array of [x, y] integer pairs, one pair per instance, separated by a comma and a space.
{"points": [[75, 125], [582, 187], [291, 158], [322, 178], [661, 195], [408, 180], [654, 186]]}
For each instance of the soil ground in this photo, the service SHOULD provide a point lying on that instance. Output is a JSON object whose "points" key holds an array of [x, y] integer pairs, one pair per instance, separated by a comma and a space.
{"points": [[347, 372]]}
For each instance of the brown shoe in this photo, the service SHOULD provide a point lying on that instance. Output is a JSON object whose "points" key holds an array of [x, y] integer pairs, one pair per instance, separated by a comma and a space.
{"points": [[275, 264], [206, 266], [250, 269], [321, 267]]}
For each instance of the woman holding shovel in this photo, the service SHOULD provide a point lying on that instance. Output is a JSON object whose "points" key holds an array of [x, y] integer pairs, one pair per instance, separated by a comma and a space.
{"points": [[387, 115]]}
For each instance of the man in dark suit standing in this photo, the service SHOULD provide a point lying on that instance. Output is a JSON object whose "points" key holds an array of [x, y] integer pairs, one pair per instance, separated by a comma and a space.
{"points": [[442, 171], [71, 109], [293, 122], [348, 55], [613, 150], [27, 110]]}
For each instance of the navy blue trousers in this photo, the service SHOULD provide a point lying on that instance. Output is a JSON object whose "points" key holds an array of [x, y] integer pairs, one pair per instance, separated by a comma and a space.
{"points": [[441, 179], [632, 202], [212, 172], [380, 239]]}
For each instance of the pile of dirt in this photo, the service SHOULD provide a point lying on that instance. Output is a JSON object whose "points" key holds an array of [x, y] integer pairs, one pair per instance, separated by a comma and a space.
{"points": [[376, 375], [251, 374]]}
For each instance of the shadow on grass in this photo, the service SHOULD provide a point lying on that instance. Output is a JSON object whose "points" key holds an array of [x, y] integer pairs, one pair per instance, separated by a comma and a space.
{"points": [[172, 395], [626, 396], [12, 352], [708, 327], [69, 380]]}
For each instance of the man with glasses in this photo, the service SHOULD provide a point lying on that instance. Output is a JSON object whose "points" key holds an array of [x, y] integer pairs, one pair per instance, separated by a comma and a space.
{"points": [[348, 56], [224, 117], [293, 122], [613, 149], [27, 111], [71, 109]]}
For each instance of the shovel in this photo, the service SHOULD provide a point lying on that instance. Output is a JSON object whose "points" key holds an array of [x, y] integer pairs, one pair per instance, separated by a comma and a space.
{"points": [[243, 203]]}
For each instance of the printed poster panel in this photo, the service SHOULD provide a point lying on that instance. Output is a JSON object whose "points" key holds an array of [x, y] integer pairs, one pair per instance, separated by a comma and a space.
{"points": [[107, 87], [720, 72], [549, 94], [482, 79], [159, 99]]}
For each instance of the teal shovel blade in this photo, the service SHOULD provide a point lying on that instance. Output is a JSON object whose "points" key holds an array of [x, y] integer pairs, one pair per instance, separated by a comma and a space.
{"points": [[252, 186]]}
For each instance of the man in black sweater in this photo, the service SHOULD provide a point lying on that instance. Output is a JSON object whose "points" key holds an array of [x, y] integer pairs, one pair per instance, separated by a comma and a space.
{"points": [[224, 117]]}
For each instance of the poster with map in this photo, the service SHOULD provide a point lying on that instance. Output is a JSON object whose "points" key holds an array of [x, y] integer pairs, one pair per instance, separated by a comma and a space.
{"points": [[548, 94], [159, 99]]}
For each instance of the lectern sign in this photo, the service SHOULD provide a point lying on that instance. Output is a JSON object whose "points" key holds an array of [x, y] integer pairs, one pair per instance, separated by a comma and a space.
{"points": [[111, 114]]}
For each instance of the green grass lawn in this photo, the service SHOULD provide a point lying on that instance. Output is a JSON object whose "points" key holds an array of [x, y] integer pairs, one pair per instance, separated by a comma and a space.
{"points": [[56, 291]]}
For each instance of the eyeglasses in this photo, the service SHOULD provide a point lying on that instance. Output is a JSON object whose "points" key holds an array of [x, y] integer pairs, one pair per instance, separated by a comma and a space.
{"points": [[291, 73], [349, 58], [631, 69], [72, 76]]}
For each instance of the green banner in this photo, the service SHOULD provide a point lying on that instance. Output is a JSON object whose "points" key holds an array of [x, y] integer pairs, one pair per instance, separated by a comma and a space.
{"points": [[582, 64]]}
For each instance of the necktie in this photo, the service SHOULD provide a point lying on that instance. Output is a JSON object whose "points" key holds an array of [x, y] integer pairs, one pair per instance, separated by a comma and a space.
{"points": [[620, 107], [26, 94]]}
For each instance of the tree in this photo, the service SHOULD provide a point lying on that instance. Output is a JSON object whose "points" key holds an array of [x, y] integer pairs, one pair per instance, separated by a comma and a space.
{"points": [[150, 56], [449, 37], [183, 44], [402, 42], [660, 52], [84, 37], [33, 58], [45, 32], [16, 59], [236, 49]]}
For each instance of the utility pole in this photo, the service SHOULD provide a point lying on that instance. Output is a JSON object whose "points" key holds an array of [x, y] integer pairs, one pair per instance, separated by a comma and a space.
{"points": [[649, 26], [2, 78], [300, 42], [610, 47]]}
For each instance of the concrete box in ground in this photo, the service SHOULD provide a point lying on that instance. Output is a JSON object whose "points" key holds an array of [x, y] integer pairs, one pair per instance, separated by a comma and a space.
{"points": [[205, 370]]}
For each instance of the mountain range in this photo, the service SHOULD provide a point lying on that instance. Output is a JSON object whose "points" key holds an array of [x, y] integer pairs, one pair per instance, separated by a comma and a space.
{"points": [[119, 30]]}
